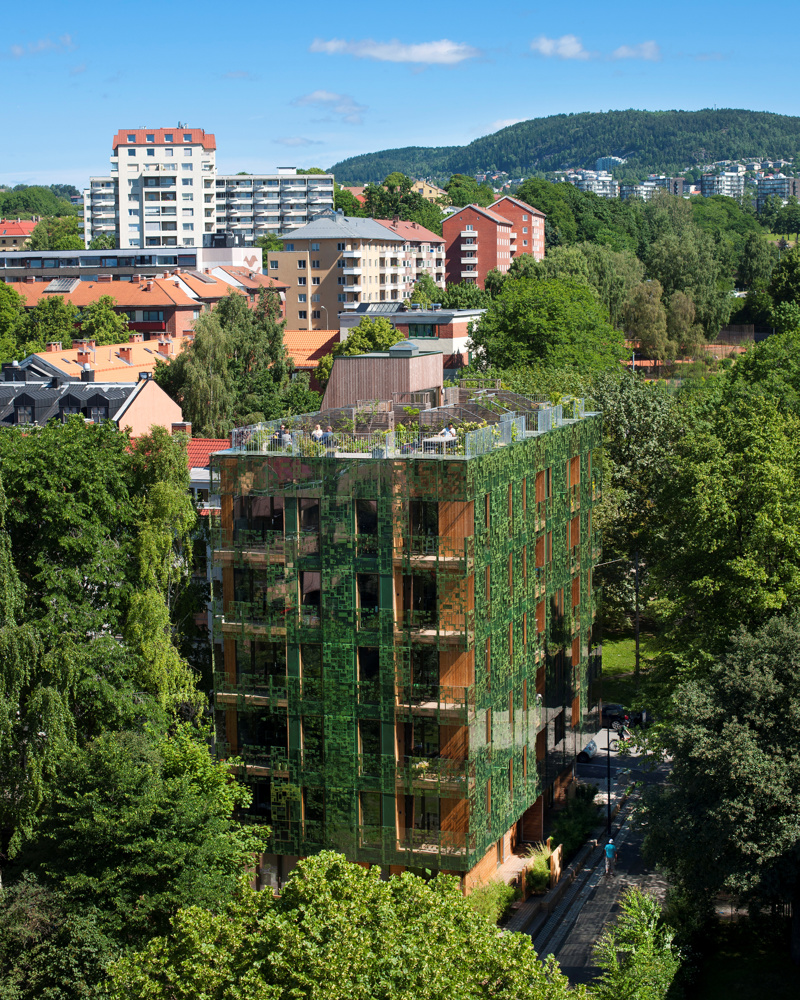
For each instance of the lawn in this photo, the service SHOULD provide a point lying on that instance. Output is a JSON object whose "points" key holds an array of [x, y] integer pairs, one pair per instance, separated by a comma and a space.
{"points": [[619, 663]]}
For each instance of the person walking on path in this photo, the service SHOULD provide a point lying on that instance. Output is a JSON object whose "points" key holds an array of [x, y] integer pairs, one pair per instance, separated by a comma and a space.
{"points": [[611, 857]]}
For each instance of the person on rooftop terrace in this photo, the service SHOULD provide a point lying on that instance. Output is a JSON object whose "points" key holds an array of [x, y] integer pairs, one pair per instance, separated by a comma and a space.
{"points": [[316, 434]]}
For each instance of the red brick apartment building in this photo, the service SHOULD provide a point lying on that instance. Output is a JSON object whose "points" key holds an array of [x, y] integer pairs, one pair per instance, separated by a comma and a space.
{"points": [[481, 239]]}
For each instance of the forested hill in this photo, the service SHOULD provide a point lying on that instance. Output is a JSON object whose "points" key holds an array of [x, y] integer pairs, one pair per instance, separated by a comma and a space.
{"points": [[652, 141]]}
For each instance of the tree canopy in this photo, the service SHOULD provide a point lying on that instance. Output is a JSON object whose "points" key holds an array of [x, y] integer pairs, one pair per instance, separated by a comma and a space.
{"points": [[371, 334]]}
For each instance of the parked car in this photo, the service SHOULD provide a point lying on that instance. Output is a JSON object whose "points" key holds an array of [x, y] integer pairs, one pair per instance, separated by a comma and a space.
{"points": [[615, 717]]}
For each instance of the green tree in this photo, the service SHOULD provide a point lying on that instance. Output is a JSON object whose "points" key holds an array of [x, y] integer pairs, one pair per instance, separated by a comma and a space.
{"points": [[12, 307], [371, 334], [785, 283], [768, 212], [681, 327], [645, 320], [426, 291], [102, 323], [268, 244], [729, 551], [53, 318], [757, 262], [105, 241], [787, 220], [62, 233], [637, 954], [464, 295], [728, 820], [786, 317], [395, 197], [556, 323], [338, 931], [464, 190], [346, 202], [138, 825]]}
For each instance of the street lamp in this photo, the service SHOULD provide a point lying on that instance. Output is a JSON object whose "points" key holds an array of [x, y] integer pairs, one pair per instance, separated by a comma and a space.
{"points": [[327, 321]]}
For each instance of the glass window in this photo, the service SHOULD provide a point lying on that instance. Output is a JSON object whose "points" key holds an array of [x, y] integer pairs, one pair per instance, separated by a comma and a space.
{"points": [[131, 137], [151, 152], [315, 246], [289, 246], [273, 265], [150, 137], [301, 298], [169, 152], [168, 137], [315, 281], [302, 314], [187, 166], [187, 136], [301, 281], [131, 151]]}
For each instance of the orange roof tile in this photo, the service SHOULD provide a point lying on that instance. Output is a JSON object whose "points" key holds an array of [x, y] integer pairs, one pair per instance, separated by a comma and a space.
{"points": [[17, 227], [150, 293], [198, 135], [107, 362], [253, 279], [200, 450], [306, 347], [411, 230]]}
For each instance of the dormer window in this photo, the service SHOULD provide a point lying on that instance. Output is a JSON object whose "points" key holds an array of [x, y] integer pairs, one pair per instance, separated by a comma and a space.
{"points": [[98, 413], [23, 413]]}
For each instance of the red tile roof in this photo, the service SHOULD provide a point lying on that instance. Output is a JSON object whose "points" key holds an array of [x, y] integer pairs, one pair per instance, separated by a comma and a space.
{"points": [[150, 293], [482, 211], [17, 227], [520, 204], [200, 450], [198, 135], [306, 347], [411, 231], [356, 191], [251, 279], [107, 362]]}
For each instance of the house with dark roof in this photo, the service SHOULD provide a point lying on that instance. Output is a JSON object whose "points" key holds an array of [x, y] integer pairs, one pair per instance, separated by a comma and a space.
{"points": [[138, 406]]}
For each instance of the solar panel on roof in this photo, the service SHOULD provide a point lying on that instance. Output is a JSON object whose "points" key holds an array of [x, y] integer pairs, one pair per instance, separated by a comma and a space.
{"points": [[203, 277], [63, 285]]}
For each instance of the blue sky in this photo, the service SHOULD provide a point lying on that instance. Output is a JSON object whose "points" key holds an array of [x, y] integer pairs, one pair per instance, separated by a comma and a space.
{"points": [[310, 83]]}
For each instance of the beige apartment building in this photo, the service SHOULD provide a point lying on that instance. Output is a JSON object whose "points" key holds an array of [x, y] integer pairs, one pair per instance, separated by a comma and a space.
{"points": [[337, 262], [430, 192]]}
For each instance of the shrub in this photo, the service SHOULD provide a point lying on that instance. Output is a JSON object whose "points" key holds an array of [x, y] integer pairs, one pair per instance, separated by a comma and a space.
{"points": [[494, 900], [586, 792], [537, 877], [574, 824]]}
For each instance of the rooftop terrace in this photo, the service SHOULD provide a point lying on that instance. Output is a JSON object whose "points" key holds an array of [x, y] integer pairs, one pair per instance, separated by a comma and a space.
{"points": [[458, 422]]}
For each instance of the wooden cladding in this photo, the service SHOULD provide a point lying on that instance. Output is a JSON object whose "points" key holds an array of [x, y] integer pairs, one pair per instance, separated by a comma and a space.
{"points": [[575, 531], [574, 471], [540, 552], [576, 591], [539, 487]]}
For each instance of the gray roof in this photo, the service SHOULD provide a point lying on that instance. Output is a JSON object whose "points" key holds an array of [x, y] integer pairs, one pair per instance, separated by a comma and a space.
{"points": [[333, 225], [48, 399]]}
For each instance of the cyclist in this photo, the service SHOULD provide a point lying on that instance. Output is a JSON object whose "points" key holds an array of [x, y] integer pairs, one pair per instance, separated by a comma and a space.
{"points": [[611, 857]]}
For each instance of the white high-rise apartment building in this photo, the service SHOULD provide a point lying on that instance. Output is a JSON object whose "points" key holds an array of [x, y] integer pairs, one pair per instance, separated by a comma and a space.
{"points": [[164, 191]]}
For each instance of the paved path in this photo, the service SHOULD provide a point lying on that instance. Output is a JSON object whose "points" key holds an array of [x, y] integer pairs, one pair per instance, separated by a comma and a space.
{"points": [[592, 903]]}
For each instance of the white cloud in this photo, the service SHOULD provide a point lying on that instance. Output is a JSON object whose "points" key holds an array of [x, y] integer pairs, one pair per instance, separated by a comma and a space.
{"points": [[566, 47], [64, 43], [297, 140], [504, 123], [645, 50], [441, 53], [339, 104]]}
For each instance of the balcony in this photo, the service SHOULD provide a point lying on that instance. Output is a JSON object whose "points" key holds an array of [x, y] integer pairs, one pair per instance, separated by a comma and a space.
{"points": [[473, 273], [436, 552], [353, 288], [469, 234], [457, 704], [427, 773], [470, 260], [352, 270], [348, 305], [440, 843], [352, 253]]}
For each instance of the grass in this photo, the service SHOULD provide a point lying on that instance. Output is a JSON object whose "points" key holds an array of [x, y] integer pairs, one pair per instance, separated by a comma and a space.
{"points": [[619, 664], [743, 966]]}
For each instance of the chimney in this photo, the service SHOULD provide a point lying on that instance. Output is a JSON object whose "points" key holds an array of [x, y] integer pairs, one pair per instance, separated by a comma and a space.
{"points": [[148, 286], [105, 277], [135, 338], [182, 427], [87, 375], [84, 357], [206, 270], [126, 354], [164, 347], [29, 279], [395, 221], [53, 347]]}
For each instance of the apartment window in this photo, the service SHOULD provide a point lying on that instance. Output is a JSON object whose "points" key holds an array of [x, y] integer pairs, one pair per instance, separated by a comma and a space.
{"points": [[187, 166], [301, 281], [131, 152], [168, 137], [187, 136], [188, 227], [187, 197], [315, 298], [341, 281], [524, 243], [131, 137], [153, 316], [340, 263], [315, 314], [341, 298], [150, 137], [315, 247], [273, 265], [302, 314], [188, 211], [169, 152], [315, 263], [524, 218], [151, 152], [468, 228], [301, 297], [187, 181], [315, 281], [301, 264], [187, 151], [524, 229]]}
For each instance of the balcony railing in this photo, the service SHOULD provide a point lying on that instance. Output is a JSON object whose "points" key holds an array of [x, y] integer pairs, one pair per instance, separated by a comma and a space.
{"points": [[436, 769], [437, 842], [428, 699]]}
